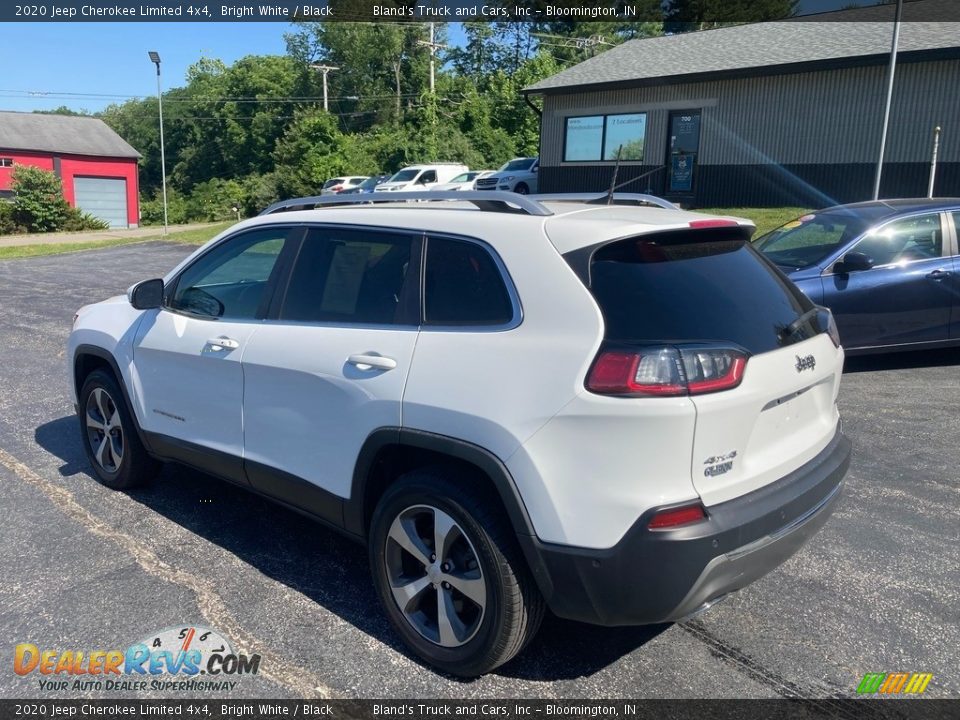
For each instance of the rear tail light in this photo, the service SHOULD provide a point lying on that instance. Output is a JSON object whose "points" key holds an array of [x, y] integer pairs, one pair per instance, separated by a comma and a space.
{"points": [[666, 371], [827, 321], [677, 517]]}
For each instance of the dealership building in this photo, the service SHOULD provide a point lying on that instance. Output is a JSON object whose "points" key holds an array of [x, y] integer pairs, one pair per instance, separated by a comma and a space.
{"points": [[97, 167], [768, 114]]}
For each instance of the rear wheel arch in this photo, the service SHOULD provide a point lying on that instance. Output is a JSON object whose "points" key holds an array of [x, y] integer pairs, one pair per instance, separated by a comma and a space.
{"points": [[390, 452]]}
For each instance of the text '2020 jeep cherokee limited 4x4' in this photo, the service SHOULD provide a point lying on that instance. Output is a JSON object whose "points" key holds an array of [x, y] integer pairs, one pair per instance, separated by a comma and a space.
{"points": [[620, 413]]}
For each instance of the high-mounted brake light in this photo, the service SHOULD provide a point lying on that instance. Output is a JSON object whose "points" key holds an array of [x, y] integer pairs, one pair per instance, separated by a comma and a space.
{"points": [[712, 223], [677, 517], [666, 371]]}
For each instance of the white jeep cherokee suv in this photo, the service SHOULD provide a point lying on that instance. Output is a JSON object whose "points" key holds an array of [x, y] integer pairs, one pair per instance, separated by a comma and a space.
{"points": [[617, 413]]}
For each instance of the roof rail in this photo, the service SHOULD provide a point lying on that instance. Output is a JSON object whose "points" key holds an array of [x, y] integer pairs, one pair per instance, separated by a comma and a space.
{"points": [[603, 199], [486, 200]]}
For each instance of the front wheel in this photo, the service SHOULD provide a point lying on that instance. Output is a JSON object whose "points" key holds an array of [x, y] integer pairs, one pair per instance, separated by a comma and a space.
{"points": [[449, 573], [109, 436], [521, 189]]}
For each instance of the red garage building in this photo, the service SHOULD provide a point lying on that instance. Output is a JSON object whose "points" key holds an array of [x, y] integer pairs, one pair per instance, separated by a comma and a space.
{"points": [[98, 168]]}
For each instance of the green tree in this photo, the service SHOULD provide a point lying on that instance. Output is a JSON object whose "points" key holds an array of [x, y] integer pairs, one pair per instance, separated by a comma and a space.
{"points": [[688, 15], [313, 150], [382, 68], [39, 204]]}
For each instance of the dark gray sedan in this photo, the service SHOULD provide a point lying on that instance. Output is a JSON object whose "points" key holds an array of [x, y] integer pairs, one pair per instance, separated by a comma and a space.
{"points": [[889, 270]]}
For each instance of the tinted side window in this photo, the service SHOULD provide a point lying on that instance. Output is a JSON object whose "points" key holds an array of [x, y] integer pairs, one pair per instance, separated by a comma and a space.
{"points": [[912, 238], [351, 276], [430, 176], [463, 285], [230, 281]]}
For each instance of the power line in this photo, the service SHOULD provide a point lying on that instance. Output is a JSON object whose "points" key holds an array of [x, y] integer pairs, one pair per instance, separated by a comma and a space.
{"points": [[52, 95]]}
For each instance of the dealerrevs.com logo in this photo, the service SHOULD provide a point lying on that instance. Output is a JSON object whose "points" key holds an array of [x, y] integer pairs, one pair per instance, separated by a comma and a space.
{"points": [[181, 658], [894, 683]]}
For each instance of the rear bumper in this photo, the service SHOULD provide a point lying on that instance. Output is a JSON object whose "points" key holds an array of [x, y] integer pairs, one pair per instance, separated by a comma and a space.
{"points": [[662, 576]]}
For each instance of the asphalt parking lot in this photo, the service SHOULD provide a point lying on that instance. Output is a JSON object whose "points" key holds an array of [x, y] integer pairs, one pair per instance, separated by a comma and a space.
{"points": [[83, 567]]}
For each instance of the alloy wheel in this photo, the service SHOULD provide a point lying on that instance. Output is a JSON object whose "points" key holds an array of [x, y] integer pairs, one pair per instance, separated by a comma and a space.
{"points": [[435, 575], [104, 430]]}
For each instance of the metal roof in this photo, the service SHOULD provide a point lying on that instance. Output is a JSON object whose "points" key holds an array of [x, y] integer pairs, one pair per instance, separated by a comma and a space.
{"points": [[61, 134], [755, 49]]}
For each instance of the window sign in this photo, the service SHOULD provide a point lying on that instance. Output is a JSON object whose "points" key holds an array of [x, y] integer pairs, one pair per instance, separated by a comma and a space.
{"points": [[584, 138], [628, 131]]}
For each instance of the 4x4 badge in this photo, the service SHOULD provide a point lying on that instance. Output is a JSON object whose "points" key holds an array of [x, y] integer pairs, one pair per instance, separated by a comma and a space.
{"points": [[808, 362], [719, 464]]}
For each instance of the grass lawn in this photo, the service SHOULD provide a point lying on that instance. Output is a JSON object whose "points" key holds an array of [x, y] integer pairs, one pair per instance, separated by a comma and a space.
{"points": [[190, 237], [766, 219]]}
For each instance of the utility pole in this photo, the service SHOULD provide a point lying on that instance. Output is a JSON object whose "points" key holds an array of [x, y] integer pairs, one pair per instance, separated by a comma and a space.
{"points": [[886, 113], [325, 69], [434, 47]]}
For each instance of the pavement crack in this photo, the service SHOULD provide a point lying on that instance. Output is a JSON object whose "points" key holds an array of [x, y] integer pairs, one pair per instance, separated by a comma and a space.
{"points": [[211, 604]]}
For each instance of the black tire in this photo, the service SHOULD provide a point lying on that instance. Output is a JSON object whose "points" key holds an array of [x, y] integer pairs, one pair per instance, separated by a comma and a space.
{"points": [[513, 608], [521, 189], [124, 463]]}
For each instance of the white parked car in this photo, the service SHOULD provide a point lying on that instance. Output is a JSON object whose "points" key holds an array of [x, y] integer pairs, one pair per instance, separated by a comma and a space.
{"points": [[618, 413], [421, 177], [463, 181], [518, 175], [339, 184]]}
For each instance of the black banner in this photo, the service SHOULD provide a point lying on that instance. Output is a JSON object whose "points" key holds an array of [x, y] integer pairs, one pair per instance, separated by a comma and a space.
{"points": [[849, 709], [426, 10]]}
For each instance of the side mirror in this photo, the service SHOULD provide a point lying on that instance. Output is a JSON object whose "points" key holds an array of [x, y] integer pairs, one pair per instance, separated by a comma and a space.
{"points": [[853, 262], [534, 169], [147, 294]]}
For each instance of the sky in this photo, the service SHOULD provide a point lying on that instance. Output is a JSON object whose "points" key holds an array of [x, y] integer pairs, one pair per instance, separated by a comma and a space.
{"points": [[53, 64], [111, 58]]}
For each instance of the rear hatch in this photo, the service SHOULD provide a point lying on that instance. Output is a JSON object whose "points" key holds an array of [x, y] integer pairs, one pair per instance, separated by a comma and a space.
{"points": [[704, 315]]}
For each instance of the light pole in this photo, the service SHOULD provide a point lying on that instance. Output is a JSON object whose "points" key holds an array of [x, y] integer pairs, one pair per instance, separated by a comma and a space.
{"points": [[886, 111], [155, 59]]}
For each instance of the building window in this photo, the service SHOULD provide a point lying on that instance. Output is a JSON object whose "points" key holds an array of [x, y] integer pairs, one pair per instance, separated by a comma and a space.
{"points": [[584, 138], [6, 162], [598, 137]]}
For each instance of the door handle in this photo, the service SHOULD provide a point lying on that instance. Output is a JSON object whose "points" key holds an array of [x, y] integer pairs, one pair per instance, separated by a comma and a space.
{"points": [[369, 362], [938, 274], [223, 343]]}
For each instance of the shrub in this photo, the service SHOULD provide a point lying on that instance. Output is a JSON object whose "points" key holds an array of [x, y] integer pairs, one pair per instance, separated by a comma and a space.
{"points": [[77, 219], [39, 204], [8, 223]]}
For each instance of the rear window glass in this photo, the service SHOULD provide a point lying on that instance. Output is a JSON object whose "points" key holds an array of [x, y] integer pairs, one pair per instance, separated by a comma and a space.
{"points": [[656, 290]]}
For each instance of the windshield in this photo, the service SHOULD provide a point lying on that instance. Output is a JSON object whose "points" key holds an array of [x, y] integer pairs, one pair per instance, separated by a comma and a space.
{"points": [[464, 177], [404, 176], [518, 164], [811, 238], [331, 183]]}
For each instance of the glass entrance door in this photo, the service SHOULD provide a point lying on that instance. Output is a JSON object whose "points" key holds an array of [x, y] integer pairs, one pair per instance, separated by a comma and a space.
{"points": [[683, 146]]}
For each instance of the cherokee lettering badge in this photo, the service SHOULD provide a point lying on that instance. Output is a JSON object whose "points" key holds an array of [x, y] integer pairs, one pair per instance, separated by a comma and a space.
{"points": [[807, 362]]}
